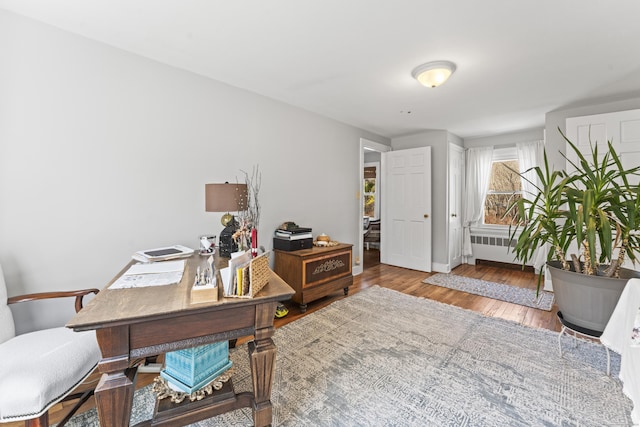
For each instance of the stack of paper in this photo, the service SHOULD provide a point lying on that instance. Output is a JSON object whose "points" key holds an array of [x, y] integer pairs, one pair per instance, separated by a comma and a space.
{"points": [[232, 275], [154, 274]]}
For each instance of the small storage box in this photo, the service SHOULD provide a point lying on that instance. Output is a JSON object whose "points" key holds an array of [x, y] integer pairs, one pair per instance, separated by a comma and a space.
{"points": [[292, 245], [191, 369]]}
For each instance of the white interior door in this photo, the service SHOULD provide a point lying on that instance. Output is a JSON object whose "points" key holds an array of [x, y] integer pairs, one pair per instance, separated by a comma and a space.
{"points": [[456, 168], [406, 221]]}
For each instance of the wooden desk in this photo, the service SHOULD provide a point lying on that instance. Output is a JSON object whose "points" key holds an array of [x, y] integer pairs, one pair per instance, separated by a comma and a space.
{"points": [[136, 323]]}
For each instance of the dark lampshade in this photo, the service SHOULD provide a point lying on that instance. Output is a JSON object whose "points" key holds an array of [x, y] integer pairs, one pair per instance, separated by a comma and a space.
{"points": [[225, 197]]}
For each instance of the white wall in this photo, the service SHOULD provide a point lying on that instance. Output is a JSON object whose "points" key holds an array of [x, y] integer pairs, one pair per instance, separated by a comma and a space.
{"points": [[103, 153], [511, 138]]}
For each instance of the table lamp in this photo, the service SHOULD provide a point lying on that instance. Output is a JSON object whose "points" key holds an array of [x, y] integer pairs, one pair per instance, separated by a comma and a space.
{"points": [[226, 198]]}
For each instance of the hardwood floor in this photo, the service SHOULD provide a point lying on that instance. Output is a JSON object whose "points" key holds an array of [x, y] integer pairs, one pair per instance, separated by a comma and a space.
{"points": [[409, 282]]}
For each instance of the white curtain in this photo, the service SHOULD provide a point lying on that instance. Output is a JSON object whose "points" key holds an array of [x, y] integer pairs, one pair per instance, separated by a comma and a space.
{"points": [[531, 154], [477, 183]]}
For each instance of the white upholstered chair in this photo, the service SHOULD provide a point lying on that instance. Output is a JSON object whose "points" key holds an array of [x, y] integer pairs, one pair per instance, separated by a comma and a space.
{"points": [[40, 369]]}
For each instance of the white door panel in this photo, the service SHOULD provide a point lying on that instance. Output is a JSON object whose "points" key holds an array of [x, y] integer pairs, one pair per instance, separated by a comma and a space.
{"points": [[406, 222], [622, 128]]}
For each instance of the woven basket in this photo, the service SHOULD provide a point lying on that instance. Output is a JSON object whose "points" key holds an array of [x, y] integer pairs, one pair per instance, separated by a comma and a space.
{"points": [[259, 274]]}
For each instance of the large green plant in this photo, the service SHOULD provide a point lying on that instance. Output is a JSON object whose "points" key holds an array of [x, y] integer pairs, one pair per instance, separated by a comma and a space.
{"points": [[595, 208]]}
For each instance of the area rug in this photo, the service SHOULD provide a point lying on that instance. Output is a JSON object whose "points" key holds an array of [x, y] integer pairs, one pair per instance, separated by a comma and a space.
{"points": [[383, 358], [499, 291]]}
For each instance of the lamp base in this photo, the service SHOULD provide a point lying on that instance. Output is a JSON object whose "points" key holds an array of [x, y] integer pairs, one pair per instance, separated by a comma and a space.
{"points": [[227, 244], [226, 219]]}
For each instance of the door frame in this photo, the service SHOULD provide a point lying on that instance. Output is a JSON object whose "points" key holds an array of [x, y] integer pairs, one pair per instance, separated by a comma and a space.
{"points": [[366, 144]]}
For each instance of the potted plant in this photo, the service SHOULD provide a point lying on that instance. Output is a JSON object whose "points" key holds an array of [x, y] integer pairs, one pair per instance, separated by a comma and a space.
{"points": [[594, 211]]}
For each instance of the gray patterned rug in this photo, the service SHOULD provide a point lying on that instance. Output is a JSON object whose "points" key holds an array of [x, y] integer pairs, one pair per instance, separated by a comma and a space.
{"points": [[499, 291], [383, 358]]}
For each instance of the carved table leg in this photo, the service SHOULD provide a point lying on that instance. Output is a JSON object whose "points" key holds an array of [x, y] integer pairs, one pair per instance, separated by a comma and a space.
{"points": [[303, 308], [346, 291], [114, 393], [262, 356], [114, 398]]}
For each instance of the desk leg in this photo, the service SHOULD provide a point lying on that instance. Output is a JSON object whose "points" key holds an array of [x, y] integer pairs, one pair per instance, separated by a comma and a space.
{"points": [[114, 393], [262, 355]]}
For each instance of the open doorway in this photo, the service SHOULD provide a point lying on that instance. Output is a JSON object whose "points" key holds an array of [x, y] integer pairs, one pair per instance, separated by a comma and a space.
{"points": [[371, 201], [371, 207]]}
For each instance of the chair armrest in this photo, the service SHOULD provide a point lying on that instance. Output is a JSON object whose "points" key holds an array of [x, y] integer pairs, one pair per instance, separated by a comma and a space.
{"points": [[79, 294]]}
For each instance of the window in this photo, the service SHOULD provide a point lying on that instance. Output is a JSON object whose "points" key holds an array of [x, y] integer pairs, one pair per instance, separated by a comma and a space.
{"points": [[505, 186]]}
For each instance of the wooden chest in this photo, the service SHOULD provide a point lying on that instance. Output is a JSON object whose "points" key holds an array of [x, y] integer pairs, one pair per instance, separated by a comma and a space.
{"points": [[316, 272]]}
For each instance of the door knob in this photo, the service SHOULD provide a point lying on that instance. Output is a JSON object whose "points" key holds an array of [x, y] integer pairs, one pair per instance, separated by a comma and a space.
{"points": [[454, 215], [426, 215]]}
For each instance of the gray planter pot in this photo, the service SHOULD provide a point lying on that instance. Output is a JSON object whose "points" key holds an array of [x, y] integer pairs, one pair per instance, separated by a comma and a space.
{"points": [[587, 301]]}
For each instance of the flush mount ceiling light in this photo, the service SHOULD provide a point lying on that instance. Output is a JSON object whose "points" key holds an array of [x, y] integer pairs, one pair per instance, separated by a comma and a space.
{"points": [[433, 74]]}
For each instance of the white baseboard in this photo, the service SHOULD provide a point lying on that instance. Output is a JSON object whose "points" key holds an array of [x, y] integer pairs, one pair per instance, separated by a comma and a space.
{"points": [[440, 267]]}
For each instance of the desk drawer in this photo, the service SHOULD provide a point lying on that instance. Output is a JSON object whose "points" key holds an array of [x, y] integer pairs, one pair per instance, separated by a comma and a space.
{"points": [[172, 329]]}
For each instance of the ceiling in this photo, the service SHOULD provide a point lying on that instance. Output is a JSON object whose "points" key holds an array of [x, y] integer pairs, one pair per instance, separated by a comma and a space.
{"points": [[351, 60]]}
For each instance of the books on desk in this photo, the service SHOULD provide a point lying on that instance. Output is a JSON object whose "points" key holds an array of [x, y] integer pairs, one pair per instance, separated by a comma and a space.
{"points": [[154, 274], [245, 276]]}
